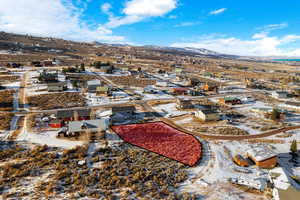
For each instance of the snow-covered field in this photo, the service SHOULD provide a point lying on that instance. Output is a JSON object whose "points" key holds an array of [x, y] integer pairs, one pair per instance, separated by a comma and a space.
{"points": [[169, 109], [48, 138]]}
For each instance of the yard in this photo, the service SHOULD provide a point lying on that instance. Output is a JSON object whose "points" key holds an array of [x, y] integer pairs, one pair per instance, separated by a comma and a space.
{"points": [[131, 81], [6, 100], [44, 172], [57, 100], [5, 120]]}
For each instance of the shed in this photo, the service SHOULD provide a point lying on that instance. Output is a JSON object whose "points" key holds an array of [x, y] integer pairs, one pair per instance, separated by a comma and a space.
{"points": [[102, 91], [55, 124], [179, 91], [240, 160]]}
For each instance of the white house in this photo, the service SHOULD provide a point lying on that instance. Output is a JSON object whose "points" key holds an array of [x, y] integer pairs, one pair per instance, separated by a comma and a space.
{"points": [[207, 115], [279, 94], [258, 183]]}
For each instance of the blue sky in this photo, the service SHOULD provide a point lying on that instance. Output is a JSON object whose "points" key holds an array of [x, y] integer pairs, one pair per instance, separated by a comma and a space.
{"points": [[262, 28]]}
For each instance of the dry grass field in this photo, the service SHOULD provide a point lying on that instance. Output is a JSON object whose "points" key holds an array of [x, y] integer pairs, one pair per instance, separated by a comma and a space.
{"points": [[57, 100], [6, 100], [5, 121]]}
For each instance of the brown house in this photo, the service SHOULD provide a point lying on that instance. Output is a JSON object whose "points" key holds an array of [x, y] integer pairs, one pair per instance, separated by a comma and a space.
{"points": [[262, 156]]}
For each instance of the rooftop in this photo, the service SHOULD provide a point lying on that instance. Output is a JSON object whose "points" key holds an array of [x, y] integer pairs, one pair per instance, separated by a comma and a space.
{"points": [[260, 152], [89, 125], [94, 82]]}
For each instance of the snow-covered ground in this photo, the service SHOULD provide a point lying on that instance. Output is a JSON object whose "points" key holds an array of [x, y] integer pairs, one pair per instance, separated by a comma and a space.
{"points": [[159, 95], [48, 138], [210, 177], [169, 109]]}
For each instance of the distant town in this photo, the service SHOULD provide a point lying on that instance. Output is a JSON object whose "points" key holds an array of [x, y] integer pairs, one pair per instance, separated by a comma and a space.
{"points": [[102, 121]]}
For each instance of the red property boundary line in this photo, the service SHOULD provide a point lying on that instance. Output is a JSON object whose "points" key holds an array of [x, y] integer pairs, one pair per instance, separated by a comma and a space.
{"points": [[201, 146]]}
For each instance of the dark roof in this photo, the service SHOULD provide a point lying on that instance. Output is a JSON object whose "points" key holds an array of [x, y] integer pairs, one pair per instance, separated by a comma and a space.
{"points": [[57, 84], [70, 113], [123, 109], [209, 111]]}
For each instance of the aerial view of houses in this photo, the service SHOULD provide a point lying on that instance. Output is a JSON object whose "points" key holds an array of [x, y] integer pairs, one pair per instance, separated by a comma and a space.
{"points": [[87, 113]]}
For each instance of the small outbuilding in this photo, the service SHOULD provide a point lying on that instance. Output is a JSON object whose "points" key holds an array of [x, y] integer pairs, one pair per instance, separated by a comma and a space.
{"points": [[241, 161], [102, 91]]}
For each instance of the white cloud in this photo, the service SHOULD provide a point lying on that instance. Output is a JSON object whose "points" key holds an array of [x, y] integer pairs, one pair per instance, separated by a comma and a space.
{"points": [[138, 10], [106, 7], [185, 24], [172, 17], [55, 18], [218, 11], [259, 45], [272, 27]]}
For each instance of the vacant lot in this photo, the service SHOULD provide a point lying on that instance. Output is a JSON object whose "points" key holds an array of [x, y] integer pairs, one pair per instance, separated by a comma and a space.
{"points": [[5, 121], [124, 173], [131, 81], [57, 100], [160, 138], [9, 79], [6, 100]]}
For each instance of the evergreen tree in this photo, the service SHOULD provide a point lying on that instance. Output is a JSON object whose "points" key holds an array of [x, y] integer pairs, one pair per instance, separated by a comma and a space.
{"points": [[275, 115], [294, 147], [82, 67]]}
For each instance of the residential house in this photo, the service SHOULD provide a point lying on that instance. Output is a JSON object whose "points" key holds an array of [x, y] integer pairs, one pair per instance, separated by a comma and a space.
{"points": [[209, 87], [230, 100], [184, 104], [279, 94], [57, 87], [46, 77], [255, 183], [262, 156], [127, 110], [102, 91], [72, 115], [179, 91], [207, 115], [47, 63], [92, 85], [76, 128]]}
